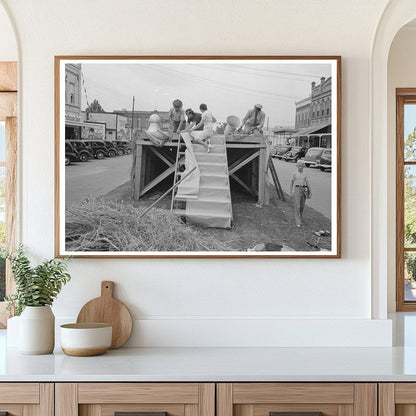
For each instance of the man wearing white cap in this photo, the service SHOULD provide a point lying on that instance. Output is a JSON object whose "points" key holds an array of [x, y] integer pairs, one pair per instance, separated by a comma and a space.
{"points": [[254, 120]]}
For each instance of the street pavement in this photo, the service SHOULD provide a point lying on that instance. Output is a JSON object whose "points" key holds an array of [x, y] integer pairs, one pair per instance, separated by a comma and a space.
{"points": [[98, 177], [319, 181], [95, 177]]}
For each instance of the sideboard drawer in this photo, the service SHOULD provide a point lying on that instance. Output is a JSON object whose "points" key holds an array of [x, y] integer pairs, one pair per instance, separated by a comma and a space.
{"points": [[297, 399], [397, 399], [146, 399], [21, 399]]}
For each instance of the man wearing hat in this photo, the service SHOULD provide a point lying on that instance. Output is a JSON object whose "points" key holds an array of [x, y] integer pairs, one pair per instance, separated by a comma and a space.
{"points": [[176, 117], [254, 120]]}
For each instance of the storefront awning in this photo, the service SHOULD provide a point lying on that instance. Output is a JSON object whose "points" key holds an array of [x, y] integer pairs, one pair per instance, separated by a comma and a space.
{"points": [[320, 128], [82, 123]]}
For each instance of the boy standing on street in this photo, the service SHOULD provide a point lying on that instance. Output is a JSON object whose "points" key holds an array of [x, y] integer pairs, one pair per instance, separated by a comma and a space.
{"points": [[300, 191]]}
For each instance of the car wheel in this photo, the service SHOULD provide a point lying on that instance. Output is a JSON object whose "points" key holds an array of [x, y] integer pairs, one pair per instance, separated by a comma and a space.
{"points": [[83, 157], [128, 151], [120, 152], [67, 161], [100, 155], [307, 165], [111, 153]]}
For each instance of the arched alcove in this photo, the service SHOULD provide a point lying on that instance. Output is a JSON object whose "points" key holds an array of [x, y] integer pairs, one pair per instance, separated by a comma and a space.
{"points": [[8, 44], [401, 74], [396, 15]]}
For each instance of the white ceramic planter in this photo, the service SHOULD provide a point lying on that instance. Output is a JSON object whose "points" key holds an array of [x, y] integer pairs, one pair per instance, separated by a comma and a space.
{"points": [[12, 334], [37, 330]]}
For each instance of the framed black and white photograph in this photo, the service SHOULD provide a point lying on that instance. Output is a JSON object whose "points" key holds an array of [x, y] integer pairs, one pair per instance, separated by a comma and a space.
{"points": [[198, 156]]}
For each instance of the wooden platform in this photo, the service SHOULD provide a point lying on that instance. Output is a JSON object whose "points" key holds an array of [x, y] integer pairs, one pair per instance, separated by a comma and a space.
{"points": [[247, 164]]}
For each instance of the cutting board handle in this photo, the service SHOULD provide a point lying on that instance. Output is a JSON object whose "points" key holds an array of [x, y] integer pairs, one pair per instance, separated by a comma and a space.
{"points": [[107, 289]]}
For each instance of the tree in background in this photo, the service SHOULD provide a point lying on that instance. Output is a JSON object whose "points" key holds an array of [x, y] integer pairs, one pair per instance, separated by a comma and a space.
{"points": [[410, 205], [94, 107]]}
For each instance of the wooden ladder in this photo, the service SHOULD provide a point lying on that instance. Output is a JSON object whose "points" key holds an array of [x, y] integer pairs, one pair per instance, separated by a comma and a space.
{"points": [[275, 178], [180, 160]]}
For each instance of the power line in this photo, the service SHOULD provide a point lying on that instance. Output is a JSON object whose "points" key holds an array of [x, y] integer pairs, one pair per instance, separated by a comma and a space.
{"points": [[280, 72], [217, 67], [222, 85]]}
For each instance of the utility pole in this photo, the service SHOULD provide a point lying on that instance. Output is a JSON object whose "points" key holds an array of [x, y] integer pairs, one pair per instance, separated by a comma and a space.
{"points": [[132, 120]]}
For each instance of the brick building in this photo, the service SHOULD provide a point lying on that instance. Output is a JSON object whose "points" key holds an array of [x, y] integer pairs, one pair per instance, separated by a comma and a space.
{"points": [[73, 92], [115, 124], [315, 110], [75, 128], [140, 118]]}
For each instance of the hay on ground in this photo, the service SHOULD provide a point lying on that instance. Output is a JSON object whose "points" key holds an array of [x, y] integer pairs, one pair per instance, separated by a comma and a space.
{"points": [[104, 225]]}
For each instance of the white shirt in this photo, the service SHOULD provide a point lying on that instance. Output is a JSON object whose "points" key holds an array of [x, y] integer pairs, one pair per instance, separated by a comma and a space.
{"points": [[207, 119]]}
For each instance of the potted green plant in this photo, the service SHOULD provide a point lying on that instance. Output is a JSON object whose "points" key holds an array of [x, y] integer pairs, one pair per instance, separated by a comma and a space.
{"points": [[36, 289]]}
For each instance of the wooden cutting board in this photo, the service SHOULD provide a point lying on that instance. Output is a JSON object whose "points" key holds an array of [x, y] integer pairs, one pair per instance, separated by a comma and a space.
{"points": [[107, 309]]}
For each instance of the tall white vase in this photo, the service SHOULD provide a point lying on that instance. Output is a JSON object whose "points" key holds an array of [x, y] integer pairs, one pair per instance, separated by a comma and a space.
{"points": [[37, 330]]}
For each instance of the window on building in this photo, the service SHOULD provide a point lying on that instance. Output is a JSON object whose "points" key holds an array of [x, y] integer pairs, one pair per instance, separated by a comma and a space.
{"points": [[72, 93], [8, 165], [406, 199]]}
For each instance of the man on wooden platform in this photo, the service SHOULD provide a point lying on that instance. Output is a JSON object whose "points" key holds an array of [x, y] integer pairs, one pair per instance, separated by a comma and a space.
{"points": [[253, 121]]}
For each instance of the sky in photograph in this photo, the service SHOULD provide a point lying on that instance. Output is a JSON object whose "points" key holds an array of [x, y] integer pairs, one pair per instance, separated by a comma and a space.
{"points": [[409, 119], [227, 88]]}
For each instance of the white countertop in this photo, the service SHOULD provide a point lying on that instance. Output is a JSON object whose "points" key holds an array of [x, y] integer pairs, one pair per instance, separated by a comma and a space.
{"points": [[222, 364], [215, 364]]}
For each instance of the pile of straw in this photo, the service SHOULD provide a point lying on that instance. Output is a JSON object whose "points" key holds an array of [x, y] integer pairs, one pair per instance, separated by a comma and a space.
{"points": [[104, 225]]}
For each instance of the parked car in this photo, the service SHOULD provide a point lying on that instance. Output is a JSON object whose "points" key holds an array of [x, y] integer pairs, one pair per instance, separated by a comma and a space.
{"points": [[282, 150], [112, 149], [81, 150], [326, 159], [274, 150], [97, 148], [124, 145], [313, 156], [70, 154], [294, 154]]}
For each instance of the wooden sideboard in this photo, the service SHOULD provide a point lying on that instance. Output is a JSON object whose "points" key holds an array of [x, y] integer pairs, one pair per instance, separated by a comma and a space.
{"points": [[27, 399], [208, 399]]}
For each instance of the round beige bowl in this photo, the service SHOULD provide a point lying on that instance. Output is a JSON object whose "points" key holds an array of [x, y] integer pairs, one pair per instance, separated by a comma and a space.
{"points": [[83, 340]]}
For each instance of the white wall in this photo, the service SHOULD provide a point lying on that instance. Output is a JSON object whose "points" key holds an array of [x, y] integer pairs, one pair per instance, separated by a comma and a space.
{"points": [[212, 302], [8, 46], [401, 74]]}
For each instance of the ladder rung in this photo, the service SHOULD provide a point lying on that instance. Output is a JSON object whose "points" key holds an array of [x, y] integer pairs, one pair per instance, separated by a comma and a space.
{"points": [[181, 212], [185, 199]]}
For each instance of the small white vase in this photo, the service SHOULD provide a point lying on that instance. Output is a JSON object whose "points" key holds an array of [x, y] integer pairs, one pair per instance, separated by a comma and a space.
{"points": [[37, 330]]}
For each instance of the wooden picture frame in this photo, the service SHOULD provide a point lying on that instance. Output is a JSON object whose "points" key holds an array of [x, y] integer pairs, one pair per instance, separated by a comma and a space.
{"points": [[227, 185]]}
